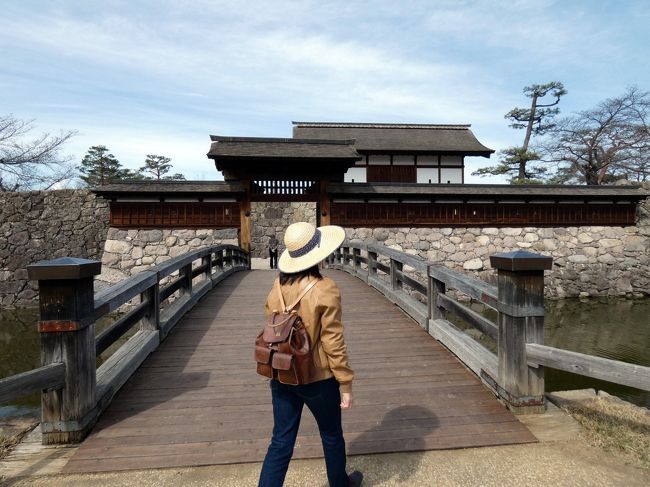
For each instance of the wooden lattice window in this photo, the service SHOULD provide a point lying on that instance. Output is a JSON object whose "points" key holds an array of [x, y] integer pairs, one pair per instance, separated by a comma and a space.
{"points": [[480, 215], [174, 215]]}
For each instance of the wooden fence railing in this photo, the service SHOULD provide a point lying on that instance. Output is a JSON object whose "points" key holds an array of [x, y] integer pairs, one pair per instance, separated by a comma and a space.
{"points": [[516, 372], [74, 390]]}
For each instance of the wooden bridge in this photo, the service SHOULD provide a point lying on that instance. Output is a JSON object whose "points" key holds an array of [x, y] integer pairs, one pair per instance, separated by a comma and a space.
{"points": [[195, 399]]}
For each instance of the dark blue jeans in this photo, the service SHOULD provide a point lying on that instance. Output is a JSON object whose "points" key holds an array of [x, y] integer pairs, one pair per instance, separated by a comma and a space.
{"points": [[324, 401]]}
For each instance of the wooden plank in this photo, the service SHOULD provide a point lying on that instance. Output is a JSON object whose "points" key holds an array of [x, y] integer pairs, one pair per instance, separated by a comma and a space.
{"points": [[417, 285], [48, 377], [108, 336], [120, 366], [415, 309], [472, 317], [115, 296], [471, 353], [474, 288], [631, 375], [416, 263]]}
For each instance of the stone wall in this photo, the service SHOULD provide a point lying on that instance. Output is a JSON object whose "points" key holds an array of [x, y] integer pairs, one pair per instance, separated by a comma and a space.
{"points": [[268, 219], [39, 225], [128, 252], [587, 261]]}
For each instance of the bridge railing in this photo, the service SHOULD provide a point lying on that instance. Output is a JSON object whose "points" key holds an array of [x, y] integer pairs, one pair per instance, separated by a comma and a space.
{"points": [[74, 390], [516, 371]]}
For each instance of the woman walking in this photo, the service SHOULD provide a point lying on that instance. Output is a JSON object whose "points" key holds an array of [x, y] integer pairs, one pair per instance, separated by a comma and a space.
{"points": [[330, 386]]}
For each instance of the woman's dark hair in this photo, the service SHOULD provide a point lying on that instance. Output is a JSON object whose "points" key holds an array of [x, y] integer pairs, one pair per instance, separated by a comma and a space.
{"points": [[296, 276]]}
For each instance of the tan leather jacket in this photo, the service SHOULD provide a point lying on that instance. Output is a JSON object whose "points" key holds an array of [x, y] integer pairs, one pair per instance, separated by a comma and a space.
{"points": [[320, 311]]}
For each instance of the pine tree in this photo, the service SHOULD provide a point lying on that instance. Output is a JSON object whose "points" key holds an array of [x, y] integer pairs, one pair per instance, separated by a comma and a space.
{"points": [[537, 120], [156, 167], [99, 167]]}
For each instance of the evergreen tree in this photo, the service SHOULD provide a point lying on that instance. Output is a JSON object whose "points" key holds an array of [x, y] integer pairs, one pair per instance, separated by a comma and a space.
{"points": [[99, 167], [156, 167], [537, 120]]}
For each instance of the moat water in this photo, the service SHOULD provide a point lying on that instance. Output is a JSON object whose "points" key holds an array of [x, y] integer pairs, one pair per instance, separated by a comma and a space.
{"points": [[616, 329]]}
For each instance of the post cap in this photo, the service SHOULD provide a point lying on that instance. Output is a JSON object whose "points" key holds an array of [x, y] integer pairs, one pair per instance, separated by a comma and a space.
{"points": [[63, 268], [520, 260]]}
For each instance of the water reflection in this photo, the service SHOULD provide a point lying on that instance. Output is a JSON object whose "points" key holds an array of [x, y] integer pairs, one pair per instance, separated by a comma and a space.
{"points": [[610, 328], [20, 351], [614, 329]]}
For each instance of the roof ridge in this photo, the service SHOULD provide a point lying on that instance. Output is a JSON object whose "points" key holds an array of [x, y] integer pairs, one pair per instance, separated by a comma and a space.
{"points": [[383, 125], [280, 140]]}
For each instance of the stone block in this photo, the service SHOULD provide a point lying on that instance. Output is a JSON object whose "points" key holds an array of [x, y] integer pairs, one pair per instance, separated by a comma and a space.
{"points": [[117, 246], [549, 244], [578, 259], [636, 244], [482, 240], [109, 259], [176, 251], [148, 236], [156, 250], [380, 234], [511, 232], [18, 239], [590, 251], [473, 265], [585, 238]]}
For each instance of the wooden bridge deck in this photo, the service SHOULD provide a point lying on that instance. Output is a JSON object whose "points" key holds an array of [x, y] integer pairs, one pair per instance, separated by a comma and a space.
{"points": [[198, 401]]}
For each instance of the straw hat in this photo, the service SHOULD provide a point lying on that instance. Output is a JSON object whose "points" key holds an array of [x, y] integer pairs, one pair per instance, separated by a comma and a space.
{"points": [[306, 246]]}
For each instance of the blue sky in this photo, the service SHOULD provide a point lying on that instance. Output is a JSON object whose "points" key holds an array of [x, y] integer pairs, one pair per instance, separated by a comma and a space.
{"points": [[159, 77]]}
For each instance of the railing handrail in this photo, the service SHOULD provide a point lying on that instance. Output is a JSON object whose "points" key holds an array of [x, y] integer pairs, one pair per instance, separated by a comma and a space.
{"points": [[602, 368], [505, 371], [69, 306]]}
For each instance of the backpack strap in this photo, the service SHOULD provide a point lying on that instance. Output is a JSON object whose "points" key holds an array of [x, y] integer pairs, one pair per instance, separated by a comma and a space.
{"points": [[304, 292]]}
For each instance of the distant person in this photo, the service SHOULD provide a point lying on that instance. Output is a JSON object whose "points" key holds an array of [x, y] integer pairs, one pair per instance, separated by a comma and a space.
{"points": [[330, 386], [273, 251]]}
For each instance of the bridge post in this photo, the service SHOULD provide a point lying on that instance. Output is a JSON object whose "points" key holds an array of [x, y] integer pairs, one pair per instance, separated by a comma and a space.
{"points": [[206, 261], [434, 289], [186, 278], [67, 330], [520, 283], [395, 271], [219, 255], [372, 264]]}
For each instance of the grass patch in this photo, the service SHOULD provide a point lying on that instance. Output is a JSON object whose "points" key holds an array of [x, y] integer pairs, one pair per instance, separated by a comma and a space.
{"points": [[615, 427], [7, 443], [12, 432]]}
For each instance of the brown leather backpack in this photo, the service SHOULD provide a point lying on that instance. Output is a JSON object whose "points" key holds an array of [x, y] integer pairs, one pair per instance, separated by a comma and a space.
{"points": [[282, 348]]}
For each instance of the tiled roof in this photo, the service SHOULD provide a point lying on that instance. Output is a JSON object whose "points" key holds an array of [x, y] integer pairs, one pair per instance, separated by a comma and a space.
{"points": [[147, 187], [540, 191], [281, 148], [397, 137]]}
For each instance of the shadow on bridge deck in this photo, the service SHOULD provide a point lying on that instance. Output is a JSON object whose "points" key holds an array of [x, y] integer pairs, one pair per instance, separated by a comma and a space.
{"points": [[198, 401]]}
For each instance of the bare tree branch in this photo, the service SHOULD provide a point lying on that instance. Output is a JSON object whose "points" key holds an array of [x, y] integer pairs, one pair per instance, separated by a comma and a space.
{"points": [[35, 163]]}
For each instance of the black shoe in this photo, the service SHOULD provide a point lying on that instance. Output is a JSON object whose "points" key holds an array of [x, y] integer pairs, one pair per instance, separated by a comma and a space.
{"points": [[356, 478]]}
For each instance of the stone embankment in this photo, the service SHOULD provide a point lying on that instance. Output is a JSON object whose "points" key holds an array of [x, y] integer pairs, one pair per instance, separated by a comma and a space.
{"points": [[127, 252], [587, 261], [40, 225]]}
